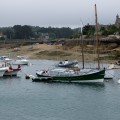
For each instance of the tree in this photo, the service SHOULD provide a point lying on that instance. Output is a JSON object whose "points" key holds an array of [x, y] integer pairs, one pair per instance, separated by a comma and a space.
{"points": [[88, 30], [22, 32], [18, 32], [26, 31], [76, 35], [103, 31], [111, 29], [9, 33]]}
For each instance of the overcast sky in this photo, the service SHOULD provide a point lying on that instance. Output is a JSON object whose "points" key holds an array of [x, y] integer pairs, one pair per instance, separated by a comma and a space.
{"points": [[57, 13]]}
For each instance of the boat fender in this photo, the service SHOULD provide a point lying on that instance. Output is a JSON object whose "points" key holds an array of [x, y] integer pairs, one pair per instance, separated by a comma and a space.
{"points": [[27, 76]]}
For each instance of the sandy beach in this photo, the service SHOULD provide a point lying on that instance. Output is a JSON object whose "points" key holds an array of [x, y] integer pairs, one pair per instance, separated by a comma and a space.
{"points": [[50, 52]]}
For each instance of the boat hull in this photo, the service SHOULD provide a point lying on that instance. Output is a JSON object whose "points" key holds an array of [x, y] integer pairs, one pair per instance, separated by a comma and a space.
{"points": [[12, 73], [68, 65], [2, 71], [20, 63], [92, 77]]}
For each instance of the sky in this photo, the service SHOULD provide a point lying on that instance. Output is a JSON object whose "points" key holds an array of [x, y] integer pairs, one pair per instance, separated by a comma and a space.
{"points": [[57, 13]]}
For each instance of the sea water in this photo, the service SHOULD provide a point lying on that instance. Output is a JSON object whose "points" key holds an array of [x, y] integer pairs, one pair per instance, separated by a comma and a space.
{"points": [[22, 99]]}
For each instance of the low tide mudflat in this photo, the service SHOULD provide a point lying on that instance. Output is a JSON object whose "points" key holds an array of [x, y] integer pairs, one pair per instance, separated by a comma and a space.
{"points": [[58, 52]]}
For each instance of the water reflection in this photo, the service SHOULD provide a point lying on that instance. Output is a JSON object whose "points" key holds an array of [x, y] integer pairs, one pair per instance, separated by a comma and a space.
{"points": [[75, 84]]}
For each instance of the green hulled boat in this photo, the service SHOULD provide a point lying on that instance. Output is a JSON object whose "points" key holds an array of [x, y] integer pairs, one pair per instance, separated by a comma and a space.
{"points": [[65, 75]]}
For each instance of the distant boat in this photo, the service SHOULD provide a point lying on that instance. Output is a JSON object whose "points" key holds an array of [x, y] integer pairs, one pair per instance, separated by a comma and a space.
{"points": [[67, 64], [3, 68], [5, 59], [21, 60], [12, 71]]}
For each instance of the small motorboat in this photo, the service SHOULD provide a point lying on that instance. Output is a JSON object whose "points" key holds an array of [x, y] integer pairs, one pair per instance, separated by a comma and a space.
{"points": [[68, 64], [21, 60], [12, 71], [3, 68], [5, 59]]}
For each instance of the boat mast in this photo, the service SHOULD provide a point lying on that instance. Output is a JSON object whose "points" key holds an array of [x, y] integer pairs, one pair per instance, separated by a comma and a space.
{"points": [[97, 38], [82, 48]]}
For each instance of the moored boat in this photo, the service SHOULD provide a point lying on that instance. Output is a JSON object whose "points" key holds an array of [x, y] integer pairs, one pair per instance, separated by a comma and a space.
{"points": [[2, 71], [82, 75], [5, 59], [21, 60], [3, 68], [67, 64], [65, 75], [12, 71]]}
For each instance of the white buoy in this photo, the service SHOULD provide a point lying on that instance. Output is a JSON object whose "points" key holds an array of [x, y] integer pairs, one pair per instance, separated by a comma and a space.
{"points": [[28, 76], [119, 81]]}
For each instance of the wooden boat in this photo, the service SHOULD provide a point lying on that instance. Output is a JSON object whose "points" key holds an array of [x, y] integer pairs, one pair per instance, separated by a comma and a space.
{"points": [[65, 75]]}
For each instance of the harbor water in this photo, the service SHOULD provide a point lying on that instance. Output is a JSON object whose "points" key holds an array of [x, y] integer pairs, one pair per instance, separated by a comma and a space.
{"points": [[22, 99]]}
